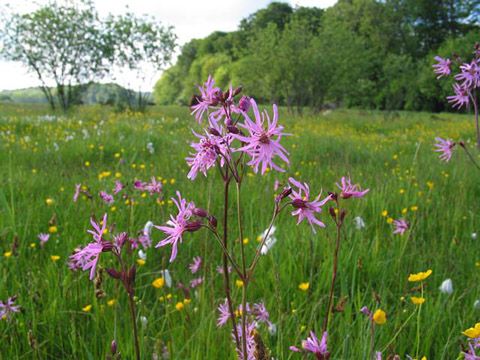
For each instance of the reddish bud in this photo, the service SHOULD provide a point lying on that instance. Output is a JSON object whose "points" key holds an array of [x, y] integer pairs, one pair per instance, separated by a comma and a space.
{"points": [[107, 246], [114, 273], [237, 90], [233, 129], [299, 204], [214, 132], [285, 193], [333, 195], [342, 215], [200, 212], [113, 347], [193, 226], [212, 221], [331, 210]]}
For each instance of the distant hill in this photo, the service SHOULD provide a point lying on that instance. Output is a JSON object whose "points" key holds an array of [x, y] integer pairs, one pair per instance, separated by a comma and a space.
{"points": [[93, 93]]}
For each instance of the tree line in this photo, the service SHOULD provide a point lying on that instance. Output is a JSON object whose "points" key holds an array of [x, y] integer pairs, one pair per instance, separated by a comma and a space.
{"points": [[357, 53]]}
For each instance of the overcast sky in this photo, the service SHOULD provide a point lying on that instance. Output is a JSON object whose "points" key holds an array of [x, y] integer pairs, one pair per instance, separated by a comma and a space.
{"points": [[190, 18]]}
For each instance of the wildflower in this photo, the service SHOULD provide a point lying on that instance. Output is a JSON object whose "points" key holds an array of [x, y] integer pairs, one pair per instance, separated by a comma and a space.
{"points": [[144, 321], [474, 332], [154, 187], [111, 302], [349, 190], [49, 201], [244, 103], [197, 263], [461, 96], [304, 286], [384, 213], [52, 229], [359, 223], [251, 344], [142, 255], [400, 226], [417, 300], [269, 242], [260, 144], [469, 75], [446, 287], [220, 269], [141, 262], [305, 208], [118, 187], [239, 283], [139, 185], [195, 282], [106, 197], [261, 314], [312, 344], [7, 308], [476, 304], [474, 235], [168, 278], [445, 147], [224, 314], [208, 98], [55, 257], [158, 283], [206, 153], [43, 238], [177, 225], [420, 276], [187, 301], [179, 306], [379, 316], [87, 308], [443, 66], [471, 355]]}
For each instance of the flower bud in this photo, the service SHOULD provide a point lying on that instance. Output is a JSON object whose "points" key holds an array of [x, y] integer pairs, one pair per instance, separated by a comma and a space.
{"points": [[214, 132], [113, 347], [212, 221], [285, 193], [107, 246], [131, 275], [228, 122], [114, 273], [334, 196], [237, 90], [244, 103], [342, 215], [193, 226], [200, 212], [233, 129]]}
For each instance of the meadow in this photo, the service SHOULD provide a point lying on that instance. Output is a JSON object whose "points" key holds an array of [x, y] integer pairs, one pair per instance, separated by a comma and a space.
{"points": [[64, 315]]}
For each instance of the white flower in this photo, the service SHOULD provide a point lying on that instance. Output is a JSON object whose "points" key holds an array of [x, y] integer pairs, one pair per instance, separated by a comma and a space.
{"points": [[150, 148], [359, 223], [144, 321], [476, 304], [272, 329], [474, 235], [147, 230], [142, 255], [268, 245], [167, 277], [446, 287]]}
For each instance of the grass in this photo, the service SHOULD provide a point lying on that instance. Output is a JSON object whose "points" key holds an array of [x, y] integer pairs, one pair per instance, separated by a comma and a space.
{"points": [[43, 156]]}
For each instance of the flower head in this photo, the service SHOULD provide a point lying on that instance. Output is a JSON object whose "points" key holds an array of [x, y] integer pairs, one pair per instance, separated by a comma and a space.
{"points": [[420, 276], [195, 266], [445, 147], [446, 287], [473, 332], [78, 189], [400, 226], [349, 190], [263, 145], [224, 314], [306, 209], [7, 308], [461, 96], [209, 97], [470, 74], [207, 151], [43, 238], [313, 345], [442, 67]]}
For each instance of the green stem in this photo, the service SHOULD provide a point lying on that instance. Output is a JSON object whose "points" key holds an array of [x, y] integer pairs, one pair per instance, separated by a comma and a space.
{"points": [[418, 322]]}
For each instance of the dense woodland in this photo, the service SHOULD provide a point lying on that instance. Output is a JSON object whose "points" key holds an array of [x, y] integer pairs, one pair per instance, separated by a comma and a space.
{"points": [[357, 53]]}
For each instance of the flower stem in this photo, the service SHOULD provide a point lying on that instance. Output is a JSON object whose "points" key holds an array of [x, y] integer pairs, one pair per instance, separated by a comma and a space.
{"points": [[475, 105], [418, 322], [335, 266], [132, 311], [469, 155]]}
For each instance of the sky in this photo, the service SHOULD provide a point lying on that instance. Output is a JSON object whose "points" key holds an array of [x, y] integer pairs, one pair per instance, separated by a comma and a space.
{"points": [[190, 19]]}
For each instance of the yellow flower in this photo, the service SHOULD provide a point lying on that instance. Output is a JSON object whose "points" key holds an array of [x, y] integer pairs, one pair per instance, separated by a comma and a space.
{"points": [[239, 283], [420, 276], [32, 245], [303, 328], [401, 191], [304, 286], [87, 163], [259, 238], [34, 171], [430, 185], [7, 254], [117, 175], [117, 155], [55, 257], [113, 208], [87, 308], [390, 220], [142, 166], [158, 283], [417, 300], [414, 208], [179, 306], [141, 262], [52, 229], [404, 210], [472, 332], [49, 201], [384, 213], [169, 296], [111, 302], [172, 181], [380, 317], [245, 241], [187, 301]]}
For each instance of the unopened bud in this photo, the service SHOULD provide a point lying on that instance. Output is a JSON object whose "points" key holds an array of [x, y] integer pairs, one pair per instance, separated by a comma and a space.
{"points": [[113, 347], [298, 203], [237, 90], [228, 122], [214, 132], [342, 215], [107, 246], [131, 275], [226, 95], [333, 196], [200, 212], [212, 221], [331, 210], [462, 144], [233, 129], [193, 226], [244, 103], [285, 193], [113, 273]]}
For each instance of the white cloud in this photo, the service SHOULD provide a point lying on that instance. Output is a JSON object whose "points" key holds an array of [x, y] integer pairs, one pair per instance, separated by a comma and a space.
{"points": [[190, 18]]}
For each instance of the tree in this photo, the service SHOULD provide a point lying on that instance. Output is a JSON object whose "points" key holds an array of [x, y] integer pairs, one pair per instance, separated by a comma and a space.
{"points": [[63, 45]]}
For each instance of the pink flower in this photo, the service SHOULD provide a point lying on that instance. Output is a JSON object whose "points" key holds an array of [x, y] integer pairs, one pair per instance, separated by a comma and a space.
{"points": [[8, 308], [461, 96], [43, 238], [445, 147], [197, 263], [260, 312], [195, 282], [313, 345], [306, 209], [443, 66], [470, 74], [262, 145], [349, 190], [154, 187], [224, 314], [177, 225], [251, 344], [139, 185], [98, 232], [209, 95], [107, 198], [207, 151], [78, 189], [400, 226], [118, 187]]}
